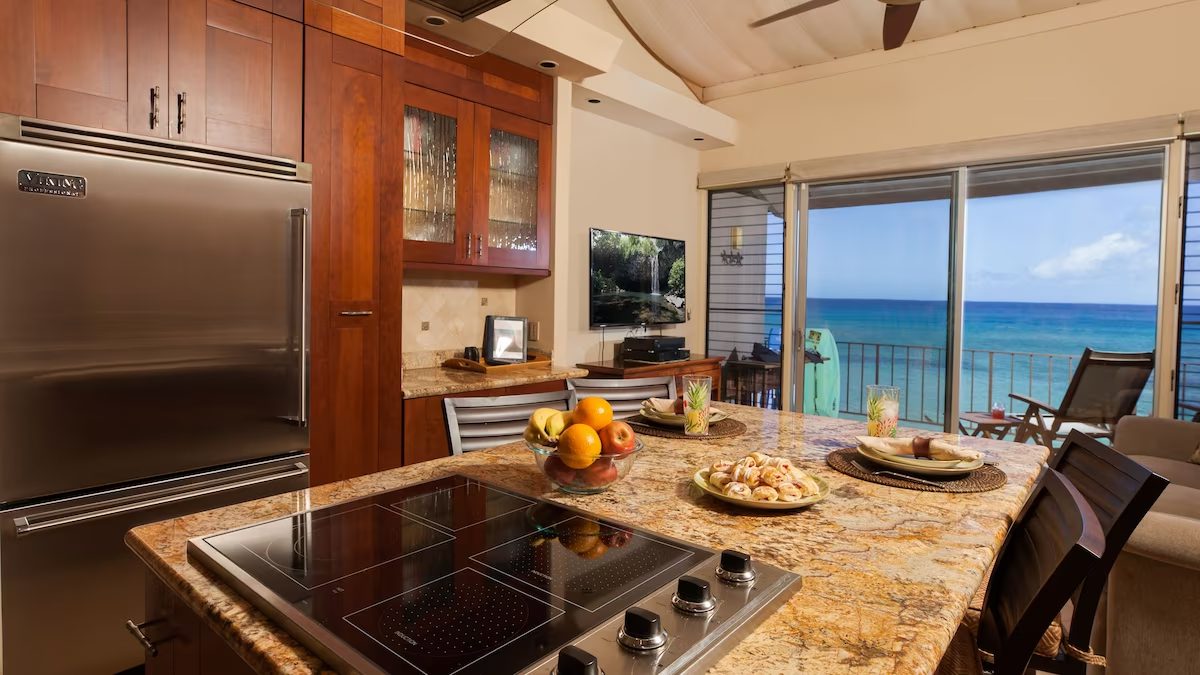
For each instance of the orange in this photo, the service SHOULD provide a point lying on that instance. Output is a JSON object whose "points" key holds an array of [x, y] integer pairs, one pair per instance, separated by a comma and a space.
{"points": [[594, 412], [578, 446]]}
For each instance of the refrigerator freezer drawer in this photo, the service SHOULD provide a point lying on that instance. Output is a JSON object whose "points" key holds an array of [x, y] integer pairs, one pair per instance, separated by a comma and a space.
{"points": [[68, 584]]}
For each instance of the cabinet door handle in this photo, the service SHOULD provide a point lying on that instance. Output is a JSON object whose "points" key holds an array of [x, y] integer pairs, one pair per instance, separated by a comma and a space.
{"points": [[361, 312], [479, 246], [137, 630], [468, 246], [182, 101], [154, 94]]}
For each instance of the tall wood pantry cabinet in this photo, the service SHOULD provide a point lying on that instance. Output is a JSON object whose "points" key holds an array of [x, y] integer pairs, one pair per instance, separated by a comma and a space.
{"points": [[350, 91], [216, 72]]}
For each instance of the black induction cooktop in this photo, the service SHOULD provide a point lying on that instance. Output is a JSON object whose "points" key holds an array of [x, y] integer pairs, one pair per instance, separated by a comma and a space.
{"points": [[457, 576]]}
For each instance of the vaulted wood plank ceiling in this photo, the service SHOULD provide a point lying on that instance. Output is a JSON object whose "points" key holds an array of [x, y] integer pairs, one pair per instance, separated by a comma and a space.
{"points": [[711, 42]]}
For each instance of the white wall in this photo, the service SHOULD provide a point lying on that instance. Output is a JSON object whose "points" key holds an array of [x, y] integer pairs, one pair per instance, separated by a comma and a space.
{"points": [[623, 178], [1053, 77]]}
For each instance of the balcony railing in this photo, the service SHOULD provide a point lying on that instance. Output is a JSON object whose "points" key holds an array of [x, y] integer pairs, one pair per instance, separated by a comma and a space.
{"points": [[987, 376]]}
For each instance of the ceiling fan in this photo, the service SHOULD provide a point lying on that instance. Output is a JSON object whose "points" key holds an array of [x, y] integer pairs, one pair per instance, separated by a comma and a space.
{"points": [[897, 19]]}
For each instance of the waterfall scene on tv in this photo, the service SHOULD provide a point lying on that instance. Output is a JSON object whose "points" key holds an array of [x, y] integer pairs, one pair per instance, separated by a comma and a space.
{"points": [[636, 279]]}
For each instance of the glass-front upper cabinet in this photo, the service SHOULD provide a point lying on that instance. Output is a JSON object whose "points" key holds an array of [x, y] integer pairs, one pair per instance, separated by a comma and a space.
{"points": [[438, 149], [512, 213], [476, 185]]}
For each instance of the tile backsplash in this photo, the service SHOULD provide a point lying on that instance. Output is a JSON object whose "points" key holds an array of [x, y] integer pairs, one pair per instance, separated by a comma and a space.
{"points": [[443, 312]]}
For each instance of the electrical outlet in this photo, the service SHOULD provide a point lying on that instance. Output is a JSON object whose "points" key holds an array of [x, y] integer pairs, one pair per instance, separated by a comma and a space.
{"points": [[535, 330], [483, 301], [424, 325]]}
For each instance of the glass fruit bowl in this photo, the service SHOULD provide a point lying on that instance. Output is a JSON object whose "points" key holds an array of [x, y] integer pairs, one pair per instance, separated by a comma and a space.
{"points": [[598, 476]]}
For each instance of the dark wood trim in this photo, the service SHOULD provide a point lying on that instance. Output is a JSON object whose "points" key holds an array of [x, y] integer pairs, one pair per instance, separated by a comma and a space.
{"points": [[486, 79], [391, 270], [318, 46], [476, 269], [697, 365]]}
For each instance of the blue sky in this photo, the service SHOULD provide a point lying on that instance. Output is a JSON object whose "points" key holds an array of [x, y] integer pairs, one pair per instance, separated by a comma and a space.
{"points": [[1087, 245]]}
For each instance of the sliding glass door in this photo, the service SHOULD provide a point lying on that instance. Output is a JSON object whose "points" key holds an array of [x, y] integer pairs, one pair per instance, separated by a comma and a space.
{"points": [[1061, 256], [876, 306]]}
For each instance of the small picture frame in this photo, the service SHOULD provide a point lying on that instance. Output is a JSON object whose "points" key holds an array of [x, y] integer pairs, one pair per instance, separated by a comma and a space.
{"points": [[504, 340]]}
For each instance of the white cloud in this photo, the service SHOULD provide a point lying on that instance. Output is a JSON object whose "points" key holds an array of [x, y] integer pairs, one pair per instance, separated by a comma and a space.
{"points": [[1086, 259]]}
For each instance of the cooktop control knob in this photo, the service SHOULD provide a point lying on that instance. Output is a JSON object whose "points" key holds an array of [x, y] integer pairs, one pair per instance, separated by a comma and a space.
{"points": [[693, 596], [735, 567], [642, 631], [574, 661]]}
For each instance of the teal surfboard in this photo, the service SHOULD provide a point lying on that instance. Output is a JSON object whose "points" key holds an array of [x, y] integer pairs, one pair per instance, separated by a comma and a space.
{"points": [[822, 381]]}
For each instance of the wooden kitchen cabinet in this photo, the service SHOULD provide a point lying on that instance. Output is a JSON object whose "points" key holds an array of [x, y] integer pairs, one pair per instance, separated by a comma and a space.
{"points": [[477, 177], [216, 72], [69, 60], [236, 75], [476, 186], [378, 23], [183, 643], [355, 416]]}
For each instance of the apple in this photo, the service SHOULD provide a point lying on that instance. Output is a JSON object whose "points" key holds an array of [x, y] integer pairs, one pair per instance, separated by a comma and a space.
{"points": [[617, 439], [600, 473], [557, 471], [615, 537]]}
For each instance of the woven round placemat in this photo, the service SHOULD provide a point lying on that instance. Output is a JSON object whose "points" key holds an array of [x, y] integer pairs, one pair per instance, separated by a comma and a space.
{"points": [[985, 478], [723, 429]]}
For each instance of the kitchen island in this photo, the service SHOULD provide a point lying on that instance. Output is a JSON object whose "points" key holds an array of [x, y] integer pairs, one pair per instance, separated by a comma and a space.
{"points": [[887, 573]]}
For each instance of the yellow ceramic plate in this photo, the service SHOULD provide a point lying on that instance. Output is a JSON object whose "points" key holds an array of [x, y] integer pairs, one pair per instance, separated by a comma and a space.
{"points": [[701, 480], [673, 420], [921, 467]]}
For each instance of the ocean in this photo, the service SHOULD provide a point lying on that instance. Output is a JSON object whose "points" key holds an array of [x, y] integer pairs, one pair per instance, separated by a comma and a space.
{"points": [[1034, 346]]}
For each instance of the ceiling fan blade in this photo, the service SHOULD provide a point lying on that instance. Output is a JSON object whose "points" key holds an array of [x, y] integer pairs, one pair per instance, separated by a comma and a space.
{"points": [[798, 9], [897, 21]]}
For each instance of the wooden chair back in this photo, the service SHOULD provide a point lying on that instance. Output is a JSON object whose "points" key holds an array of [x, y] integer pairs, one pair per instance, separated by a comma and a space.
{"points": [[485, 422], [1106, 386], [1120, 491], [626, 396], [1049, 551]]}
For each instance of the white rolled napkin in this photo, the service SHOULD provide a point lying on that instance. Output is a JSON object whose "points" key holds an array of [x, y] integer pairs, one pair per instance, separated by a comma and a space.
{"points": [[664, 406], [933, 448]]}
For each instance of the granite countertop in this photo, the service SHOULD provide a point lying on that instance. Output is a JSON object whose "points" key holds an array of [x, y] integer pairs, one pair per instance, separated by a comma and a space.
{"points": [[887, 572], [438, 381]]}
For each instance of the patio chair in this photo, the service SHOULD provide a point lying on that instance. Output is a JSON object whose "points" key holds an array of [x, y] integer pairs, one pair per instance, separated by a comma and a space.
{"points": [[1050, 550], [1104, 388], [625, 396], [485, 422]]}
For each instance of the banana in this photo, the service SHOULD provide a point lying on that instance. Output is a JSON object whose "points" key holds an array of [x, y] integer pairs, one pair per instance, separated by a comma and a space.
{"points": [[556, 424], [536, 435], [545, 424]]}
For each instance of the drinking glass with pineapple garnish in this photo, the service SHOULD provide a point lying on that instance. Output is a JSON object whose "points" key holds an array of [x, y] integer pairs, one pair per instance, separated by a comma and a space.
{"points": [[697, 394]]}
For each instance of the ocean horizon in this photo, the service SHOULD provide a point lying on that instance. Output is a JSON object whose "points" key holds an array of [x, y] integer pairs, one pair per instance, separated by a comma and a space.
{"points": [[1034, 347]]}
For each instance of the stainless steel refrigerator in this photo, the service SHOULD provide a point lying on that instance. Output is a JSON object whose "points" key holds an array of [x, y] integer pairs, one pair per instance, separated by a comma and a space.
{"points": [[153, 350]]}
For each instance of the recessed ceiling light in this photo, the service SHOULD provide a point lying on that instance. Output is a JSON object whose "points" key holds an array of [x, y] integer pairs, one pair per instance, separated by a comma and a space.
{"points": [[593, 100], [698, 138], [435, 20], [548, 64]]}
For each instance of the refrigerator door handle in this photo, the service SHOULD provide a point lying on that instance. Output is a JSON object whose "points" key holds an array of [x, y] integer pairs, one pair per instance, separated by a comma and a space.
{"points": [[303, 221], [27, 525]]}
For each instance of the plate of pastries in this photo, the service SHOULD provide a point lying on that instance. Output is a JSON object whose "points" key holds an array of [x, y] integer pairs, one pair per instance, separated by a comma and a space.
{"points": [[761, 481]]}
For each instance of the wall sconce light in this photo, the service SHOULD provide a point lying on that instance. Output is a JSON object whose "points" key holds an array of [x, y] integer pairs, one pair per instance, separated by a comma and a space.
{"points": [[735, 237]]}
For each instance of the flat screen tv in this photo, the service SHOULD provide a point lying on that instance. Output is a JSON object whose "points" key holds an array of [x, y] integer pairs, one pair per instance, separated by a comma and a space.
{"points": [[636, 280]]}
